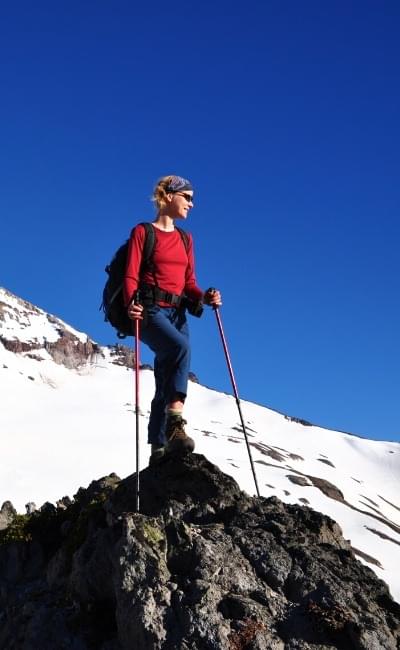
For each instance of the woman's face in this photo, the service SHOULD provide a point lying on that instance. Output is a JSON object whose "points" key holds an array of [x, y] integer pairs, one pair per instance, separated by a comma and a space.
{"points": [[180, 203]]}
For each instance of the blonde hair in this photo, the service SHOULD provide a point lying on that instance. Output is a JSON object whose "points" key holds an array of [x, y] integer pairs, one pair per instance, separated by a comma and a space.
{"points": [[159, 192]]}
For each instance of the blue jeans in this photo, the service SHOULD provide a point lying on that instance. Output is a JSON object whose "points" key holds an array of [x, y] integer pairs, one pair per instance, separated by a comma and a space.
{"points": [[167, 335]]}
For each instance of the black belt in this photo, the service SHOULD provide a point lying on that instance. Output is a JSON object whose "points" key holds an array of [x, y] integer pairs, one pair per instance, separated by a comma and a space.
{"points": [[149, 293]]}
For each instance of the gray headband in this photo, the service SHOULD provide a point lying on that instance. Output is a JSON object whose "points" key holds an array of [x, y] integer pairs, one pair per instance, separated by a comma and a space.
{"points": [[177, 184]]}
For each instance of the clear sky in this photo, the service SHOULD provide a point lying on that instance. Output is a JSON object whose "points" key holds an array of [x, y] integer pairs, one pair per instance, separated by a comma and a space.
{"points": [[285, 116]]}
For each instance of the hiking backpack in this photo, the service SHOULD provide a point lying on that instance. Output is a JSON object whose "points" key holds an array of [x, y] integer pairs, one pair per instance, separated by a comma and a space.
{"points": [[113, 304]]}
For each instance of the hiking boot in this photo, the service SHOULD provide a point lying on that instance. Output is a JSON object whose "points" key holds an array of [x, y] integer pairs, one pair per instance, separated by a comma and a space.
{"points": [[157, 452], [177, 439]]}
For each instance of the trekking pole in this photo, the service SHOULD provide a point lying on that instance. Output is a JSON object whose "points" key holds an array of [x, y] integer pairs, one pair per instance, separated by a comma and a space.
{"points": [[137, 491], [235, 390]]}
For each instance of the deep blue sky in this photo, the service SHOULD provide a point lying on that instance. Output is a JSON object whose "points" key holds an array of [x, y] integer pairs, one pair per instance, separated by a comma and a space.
{"points": [[285, 115]]}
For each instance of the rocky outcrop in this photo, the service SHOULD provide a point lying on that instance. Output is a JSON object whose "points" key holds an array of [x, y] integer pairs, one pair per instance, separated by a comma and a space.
{"points": [[122, 355], [203, 566], [70, 352], [27, 330], [7, 514], [67, 350]]}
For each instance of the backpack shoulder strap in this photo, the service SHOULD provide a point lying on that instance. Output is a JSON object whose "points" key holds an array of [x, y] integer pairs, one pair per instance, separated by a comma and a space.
{"points": [[149, 242], [185, 237]]}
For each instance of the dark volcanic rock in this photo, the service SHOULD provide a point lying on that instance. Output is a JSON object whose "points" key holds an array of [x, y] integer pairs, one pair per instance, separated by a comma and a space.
{"points": [[203, 566], [298, 480]]}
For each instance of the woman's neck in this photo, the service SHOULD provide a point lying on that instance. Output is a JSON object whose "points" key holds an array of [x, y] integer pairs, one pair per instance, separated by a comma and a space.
{"points": [[164, 222]]}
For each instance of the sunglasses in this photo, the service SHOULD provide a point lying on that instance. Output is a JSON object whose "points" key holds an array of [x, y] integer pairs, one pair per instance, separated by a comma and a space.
{"points": [[188, 197]]}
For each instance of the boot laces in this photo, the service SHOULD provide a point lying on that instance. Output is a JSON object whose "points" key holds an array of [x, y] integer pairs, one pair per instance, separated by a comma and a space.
{"points": [[175, 429]]}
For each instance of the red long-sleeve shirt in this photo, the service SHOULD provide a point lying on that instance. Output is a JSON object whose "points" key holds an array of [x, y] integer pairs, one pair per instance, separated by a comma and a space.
{"points": [[173, 267]]}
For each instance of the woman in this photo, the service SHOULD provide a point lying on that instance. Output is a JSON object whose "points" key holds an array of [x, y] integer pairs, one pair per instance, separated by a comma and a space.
{"points": [[157, 296]]}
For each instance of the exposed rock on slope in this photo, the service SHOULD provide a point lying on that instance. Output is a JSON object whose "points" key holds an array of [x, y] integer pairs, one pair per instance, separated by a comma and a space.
{"points": [[204, 566], [7, 514], [29, 331], [26, 329]]}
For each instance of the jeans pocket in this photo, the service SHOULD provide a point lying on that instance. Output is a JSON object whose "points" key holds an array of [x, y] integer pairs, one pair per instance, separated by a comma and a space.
{"points": [[152, 310]]}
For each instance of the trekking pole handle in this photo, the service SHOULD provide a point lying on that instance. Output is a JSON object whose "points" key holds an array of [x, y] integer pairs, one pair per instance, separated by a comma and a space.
{"points": [[136, 301], [212, 290]]}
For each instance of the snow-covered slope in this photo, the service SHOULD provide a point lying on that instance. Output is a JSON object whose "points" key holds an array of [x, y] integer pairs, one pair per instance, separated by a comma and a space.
{"points": [[63, 424]]}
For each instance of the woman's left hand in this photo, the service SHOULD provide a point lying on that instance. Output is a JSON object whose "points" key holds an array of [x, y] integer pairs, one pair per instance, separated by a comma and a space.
{"points": [[213, 298]]}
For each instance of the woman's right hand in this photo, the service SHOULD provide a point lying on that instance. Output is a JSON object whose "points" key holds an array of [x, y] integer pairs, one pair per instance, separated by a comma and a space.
{"points": [[135, 312]]}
